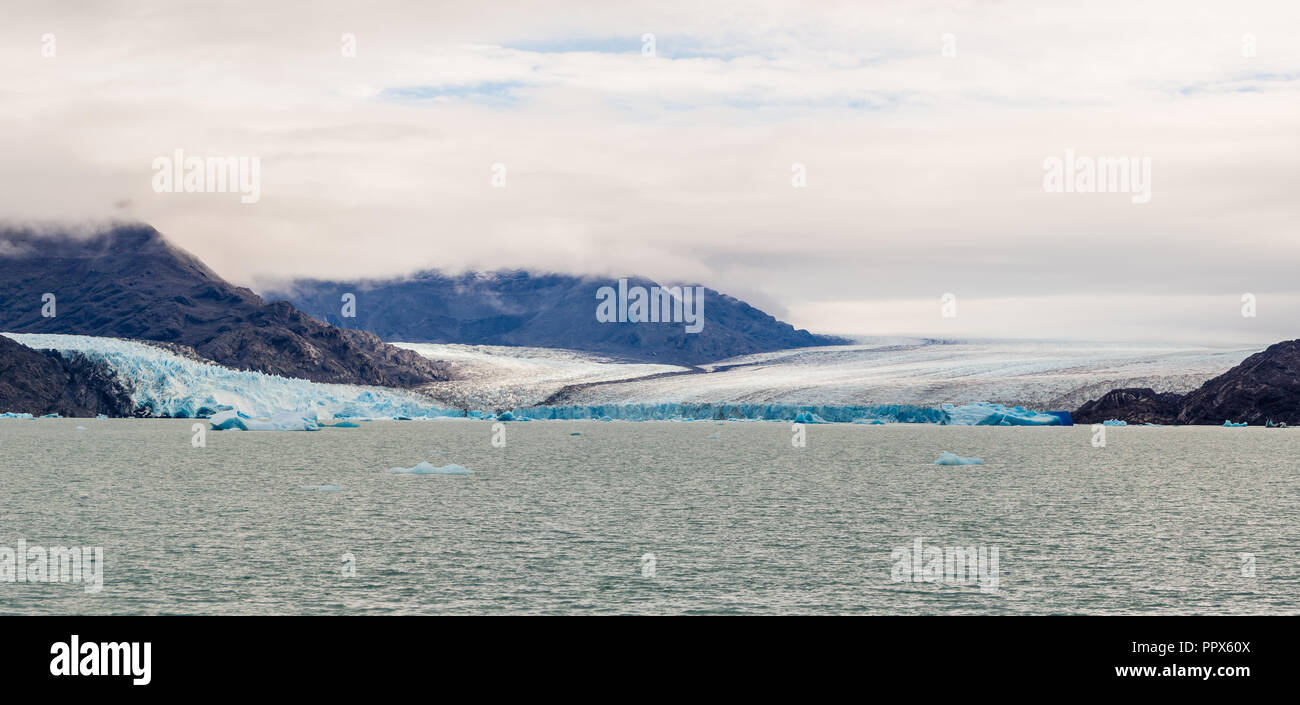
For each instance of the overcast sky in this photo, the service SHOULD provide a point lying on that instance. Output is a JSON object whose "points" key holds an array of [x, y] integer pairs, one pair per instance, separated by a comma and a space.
{"points": [[924, 171]]}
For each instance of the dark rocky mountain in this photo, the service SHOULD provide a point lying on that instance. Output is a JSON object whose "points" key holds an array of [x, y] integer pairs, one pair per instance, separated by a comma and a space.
{"points": [[541, 310], [1134, 405], [1264, 387], [129, 282], [40, 382]]}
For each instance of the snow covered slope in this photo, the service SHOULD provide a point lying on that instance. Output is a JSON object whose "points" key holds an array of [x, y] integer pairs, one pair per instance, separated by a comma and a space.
{"points": [[492, 377], [1041, 375]]}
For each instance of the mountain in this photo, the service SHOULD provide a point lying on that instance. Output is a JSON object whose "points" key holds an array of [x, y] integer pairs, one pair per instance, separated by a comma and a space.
{"points": [[46, 382], [540, 310], [1265, 386], [129, 282]]}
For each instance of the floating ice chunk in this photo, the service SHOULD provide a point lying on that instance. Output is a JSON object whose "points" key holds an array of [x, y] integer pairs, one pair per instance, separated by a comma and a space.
{"points": [[15, 415], [81, 428], [320, 488], [345, 424], [954, 459], [52, 416], [1230, 424], [101, 416], [427, 468], [575, 433], [1114, 422]]}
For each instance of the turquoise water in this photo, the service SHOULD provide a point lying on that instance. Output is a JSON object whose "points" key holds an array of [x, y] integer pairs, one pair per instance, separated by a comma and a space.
{"points": [[737, 519]]}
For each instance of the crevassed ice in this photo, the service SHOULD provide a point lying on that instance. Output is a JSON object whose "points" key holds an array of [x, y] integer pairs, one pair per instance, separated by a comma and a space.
{"points": [[173, 385], [176, 386]]}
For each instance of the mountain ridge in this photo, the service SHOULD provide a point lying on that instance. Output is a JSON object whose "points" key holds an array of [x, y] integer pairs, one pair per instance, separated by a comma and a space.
{"points": [[129, 281], [539, 309], [1263, 387]]}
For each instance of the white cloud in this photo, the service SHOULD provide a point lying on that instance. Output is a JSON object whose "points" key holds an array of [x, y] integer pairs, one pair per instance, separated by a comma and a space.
{"points": [[924, 172]]}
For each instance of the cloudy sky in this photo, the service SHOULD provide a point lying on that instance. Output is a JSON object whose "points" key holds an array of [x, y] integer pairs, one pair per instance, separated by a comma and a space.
{"points": [[922, 130]]}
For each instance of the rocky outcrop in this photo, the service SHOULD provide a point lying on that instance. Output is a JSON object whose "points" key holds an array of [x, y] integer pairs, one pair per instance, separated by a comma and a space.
{"points": [[1132, 405], [40, 382], [1264, 387], [129, 282]]}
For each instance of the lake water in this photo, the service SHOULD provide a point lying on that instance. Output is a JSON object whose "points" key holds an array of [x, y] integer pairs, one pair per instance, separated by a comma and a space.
{"points": [[1160, 520]]}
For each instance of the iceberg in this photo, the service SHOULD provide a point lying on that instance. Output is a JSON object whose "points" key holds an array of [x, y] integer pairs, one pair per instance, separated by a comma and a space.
{"points": [[427, 468], [1229, 424], [1114, 422], [15, 415], [954, 459]]}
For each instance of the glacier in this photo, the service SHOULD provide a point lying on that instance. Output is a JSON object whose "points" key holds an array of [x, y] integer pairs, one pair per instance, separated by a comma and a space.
{"points": [[1034, 374], [170, 384], [176, 386], [234, 420]]}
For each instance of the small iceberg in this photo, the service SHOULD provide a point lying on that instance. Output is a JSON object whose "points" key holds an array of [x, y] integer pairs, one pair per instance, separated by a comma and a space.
{"points": [[14, 415], [55, 415], [427, 468], [345, 424], [576, 433], [954, 459], [1229, 424], [1114, 422], [320, 488], [101, 416]]}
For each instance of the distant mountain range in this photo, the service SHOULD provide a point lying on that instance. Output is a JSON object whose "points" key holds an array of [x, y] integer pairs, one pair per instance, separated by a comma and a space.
{"points": [[129, 282], [1264, 387], [540, 310]]}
